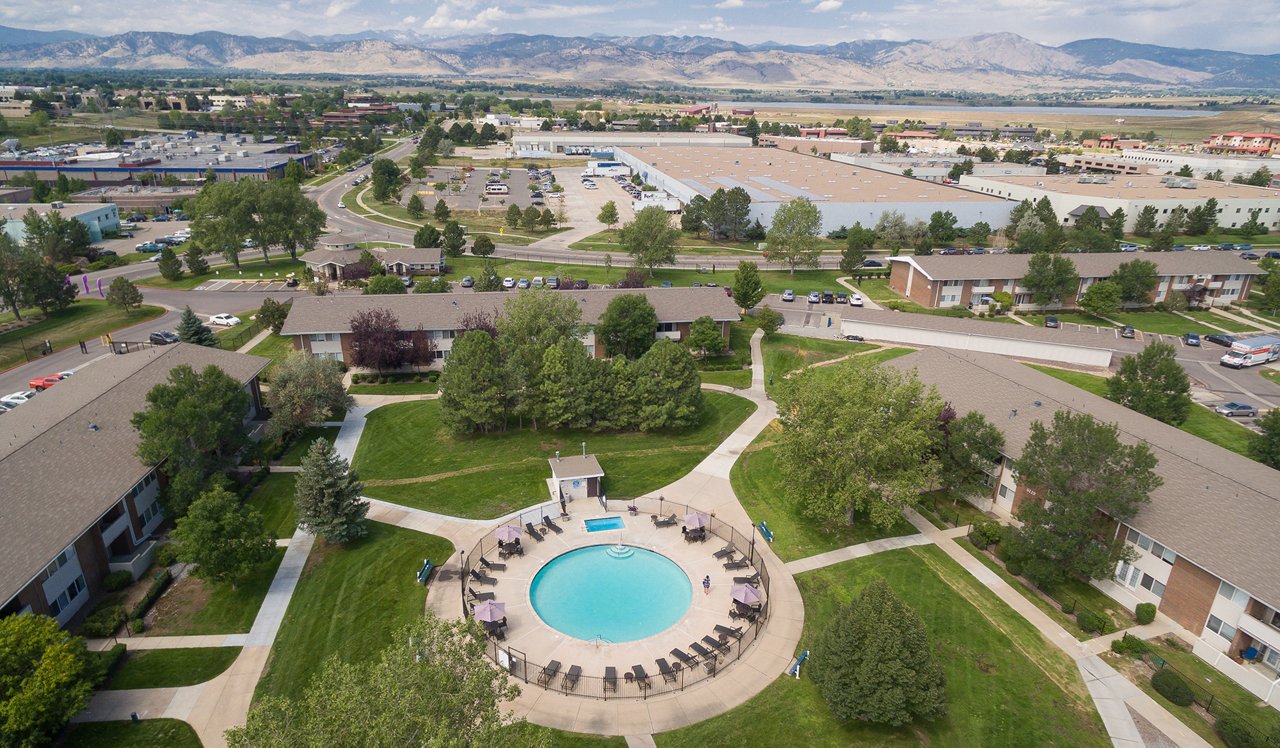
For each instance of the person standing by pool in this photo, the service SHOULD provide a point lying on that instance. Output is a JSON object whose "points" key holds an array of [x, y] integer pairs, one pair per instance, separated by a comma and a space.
{"points": [[706, 585]]}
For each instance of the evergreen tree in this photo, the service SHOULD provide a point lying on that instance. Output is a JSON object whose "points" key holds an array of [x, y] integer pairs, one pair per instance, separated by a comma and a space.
{"points": [[482, 246], [1146, 223], [441, 212], [472, 385], [415, 207], [858, 241], [453, 239], [546, 218], [123, 295], [426, 236], [192, 330], [170, 266], [568, 386], [328, 496], [1154, 384], [529, 218], [668, 388], [1115, 223], [748, 290], [514, 216], [194, 258], [693, 218]]}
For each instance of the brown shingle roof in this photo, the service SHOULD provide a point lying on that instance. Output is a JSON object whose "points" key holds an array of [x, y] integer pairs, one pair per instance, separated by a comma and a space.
{"points": [[1216, 508], [575, 466], [426, 255], [1088, 264], [58, 475], [317, 314]]}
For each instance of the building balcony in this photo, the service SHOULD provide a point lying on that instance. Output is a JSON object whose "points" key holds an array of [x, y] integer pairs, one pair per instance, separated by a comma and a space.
{"points": [[983, 289], [1260, 631], [115, 529], [135, 563]]}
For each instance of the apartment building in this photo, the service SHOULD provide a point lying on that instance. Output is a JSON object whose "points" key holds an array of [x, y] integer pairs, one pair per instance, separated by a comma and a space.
{"points": [[77, 503], [321, 325], [1216, 278], [336, 254]]}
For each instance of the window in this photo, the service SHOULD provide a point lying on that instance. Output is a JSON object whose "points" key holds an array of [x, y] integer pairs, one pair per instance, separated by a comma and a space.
{"points": [[1219, 627], [666, 327], [68, 595], [1228, 591], [1150, 583], [1004, 492], [1162, 553], [150, 513], [1144, 542], [62, 560]]}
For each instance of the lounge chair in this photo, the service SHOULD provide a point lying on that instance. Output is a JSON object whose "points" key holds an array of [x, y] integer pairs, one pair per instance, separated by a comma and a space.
{"points": [[702, 651], [667, 674], [548, 672], [665, 521], [571, 677], [481, 596], [533, 531], [739, 564], [684, 657], [552, 526], [611, 679], [725, 552], [482, 578], [492, 566], [751, 580], [735, 632], [715, 644], [642, 678]]}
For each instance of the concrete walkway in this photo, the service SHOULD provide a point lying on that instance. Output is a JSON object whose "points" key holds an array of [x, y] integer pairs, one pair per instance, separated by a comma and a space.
{"points": [[1189, 318], [254, 341], [867, 301], [1250, 319], [851, 552]]}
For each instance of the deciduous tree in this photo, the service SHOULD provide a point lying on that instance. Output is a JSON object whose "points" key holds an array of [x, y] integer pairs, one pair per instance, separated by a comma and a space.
{"points": [[44, 286], [694, 217], [667, 387], [769, 319], [482, 246], [427, 236], [978, 234], [225, 541], [305, 390], [514, 216], [858, 241], [793, 234], [376, 340], [1153, 383], [436, 284], [627, 326], [1050, 278], [532, 321], [748, 290], [45, 679], [650, 239], [384, 284], [272, 314], [608, 214], [1101, 298], [968, 451], [123, 295], [328, 496], [1137, 280], [1266, 447], [705, 337]]}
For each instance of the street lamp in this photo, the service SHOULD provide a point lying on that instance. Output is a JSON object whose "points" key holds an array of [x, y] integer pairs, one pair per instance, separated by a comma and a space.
{"points": [[462, 580]]}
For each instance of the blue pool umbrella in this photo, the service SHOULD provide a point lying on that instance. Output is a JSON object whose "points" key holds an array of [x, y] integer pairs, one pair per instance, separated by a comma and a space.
{"points": [[490, 611], [508, 533], [696, 519], [743, 593]]}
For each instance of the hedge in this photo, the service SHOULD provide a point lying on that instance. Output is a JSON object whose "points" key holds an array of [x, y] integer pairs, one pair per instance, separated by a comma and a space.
{"points": [[1171, 686], [1145, 613], [158, 585], [117, 580], [1091, 622], [1237, 733], [106, 662], [984, 532], [103, 622], [1130, 646]]}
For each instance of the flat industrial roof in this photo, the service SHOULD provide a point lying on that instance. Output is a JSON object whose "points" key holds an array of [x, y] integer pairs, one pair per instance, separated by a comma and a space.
{"points": [[1129, 187], [15, 211], [777, 175]]}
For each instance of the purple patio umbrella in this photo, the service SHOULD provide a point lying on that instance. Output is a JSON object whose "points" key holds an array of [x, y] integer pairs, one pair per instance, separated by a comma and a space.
{"points": [[490, 611], [743, 593], [696, 519], [508, 533]]}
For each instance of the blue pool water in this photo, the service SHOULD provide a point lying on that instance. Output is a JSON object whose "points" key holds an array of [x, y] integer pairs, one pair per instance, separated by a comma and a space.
{"points": [[604, 523], [590, 592]]}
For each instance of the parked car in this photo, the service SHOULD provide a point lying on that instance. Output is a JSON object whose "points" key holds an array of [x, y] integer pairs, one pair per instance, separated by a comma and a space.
{"points": [[854, 338], [407, 281], [538, 281], [291, 283], [162, 219], [553, 281], [1232, 409], [42, 383], [1127, 247], [341, 204], [872, 264], [1192, 339], [468, 281], [508, 282], [1272, 255], [1250, 256], [162, 337], [228, 320], [1052, 322], [522, 283], [1244, 246], [666, 284], [1179, 248], [842, 297], [1200, 248], [1128, 332], [18, 398], [136, 218], [104, 253], [1221, 339], [828, 297], [855, 300], [148, 247], [1226, 246], [581, 284], [155, 257], [815, 297]]}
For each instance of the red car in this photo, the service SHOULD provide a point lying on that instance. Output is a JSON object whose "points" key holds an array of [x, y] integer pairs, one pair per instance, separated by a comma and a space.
{"points": [[40, 384]]}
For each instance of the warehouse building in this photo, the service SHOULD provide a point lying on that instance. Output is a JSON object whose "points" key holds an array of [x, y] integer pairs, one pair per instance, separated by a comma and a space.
{"points": [[101, 218], [1144, 161], [1133, 192], [772, 177], [604, 144], [933, 168]]}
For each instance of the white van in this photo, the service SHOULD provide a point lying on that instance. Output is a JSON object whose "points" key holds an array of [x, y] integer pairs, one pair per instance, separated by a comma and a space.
{"points": [[496, 189]]}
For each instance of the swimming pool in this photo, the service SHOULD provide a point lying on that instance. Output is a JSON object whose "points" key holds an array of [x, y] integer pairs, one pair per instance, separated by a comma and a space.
{"points": [[617, 593], [604, 523]]}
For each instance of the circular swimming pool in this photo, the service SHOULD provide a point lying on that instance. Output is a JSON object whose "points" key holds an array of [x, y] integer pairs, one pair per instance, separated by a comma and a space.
{"points": [[616, 593]]}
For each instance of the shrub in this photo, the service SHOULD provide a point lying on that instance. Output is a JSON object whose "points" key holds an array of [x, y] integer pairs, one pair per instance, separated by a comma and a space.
{"points": [[117, 580], [105, 663], [136, 626], [69, 268], [1091, 622], [103, 622], [984, 532], [1014, 567], [1237, 733], [1131, 646], [433, 376], [158, 585], [1146, 613], [1171, 686], [165, 555], [1002, 550], [417, 379]]}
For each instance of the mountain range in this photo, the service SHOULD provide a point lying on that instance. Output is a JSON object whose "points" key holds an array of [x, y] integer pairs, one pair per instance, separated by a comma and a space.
{"points": [[1002, 62]]}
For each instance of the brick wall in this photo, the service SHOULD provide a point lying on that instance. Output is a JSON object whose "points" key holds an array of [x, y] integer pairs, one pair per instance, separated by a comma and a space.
{"points": [[1189, 595]]}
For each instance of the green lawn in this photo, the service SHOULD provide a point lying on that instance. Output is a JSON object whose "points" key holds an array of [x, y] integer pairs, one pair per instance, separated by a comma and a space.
{"points": [[739, 351], [759, 486], [349, 602], [149, 733], [278, 267], [274, 500], [1006, 686], [689, 244], [194, 606], [275, 347], [86, 319], [487, 476], [395, 388], [294, 454], [171, 668], [740, 379], [784, 354], [945, 510], [877, 289], [1165, 323], [1200, 422], [1220, 321]]}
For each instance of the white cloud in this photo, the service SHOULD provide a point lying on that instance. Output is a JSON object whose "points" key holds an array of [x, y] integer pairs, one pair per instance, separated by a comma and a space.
{"points": [[827, 5], [409, 20], [458, 15], [338, 7], [716, 24], [727, 4]]}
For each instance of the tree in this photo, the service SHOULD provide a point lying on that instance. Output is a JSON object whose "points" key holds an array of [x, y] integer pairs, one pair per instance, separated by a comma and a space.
{"points": [[293, 172], [44, 286], [1050, 277], [192, 427], [1154, 384], [668, 389], [272, 314], [12, 259], [873, 662], [748, 290], [1080, 470], [1146, 222], [568, 388], [45, 679], [533, 321], [978, 234], [395, 698], [942, 227], [514, 215], [752, 130], [414, 207], [328, 496], [386, 179], [1259, 178], [304, 390], [1137, 280], [1114, 224], [970, 448], [705, 336], [436, 284], [1270, 301], [985, 154], [1202, 220], [441, 212], [471, 385], [426, 236], [1185, 171], [737, 213], [694, 217], [892, 229], [123, 295], [858, 241], [487, 279], [529, 219], [170, 266], [1252, 227], [1101, 298], [192, 330], [1266, 448], [627, 326], [769, 319], [453, 239], [384, 284], [1176, 223], [221, 220], [482, 246], [1161, 240], [793, 234], [194, 258], [608, 214], [886, 424], [376, 342], [225, 541], [545, 219], [650, 239]]}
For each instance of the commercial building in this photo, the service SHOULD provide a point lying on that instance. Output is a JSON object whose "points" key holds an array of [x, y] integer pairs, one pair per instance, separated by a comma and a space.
{"points": [[101, 218], [818, 146], [77, 504], [604, 144], [321, 325], [1144, 161], [931, 168], [1254, 143], [1132, 193], [772, 177], [130, 197], [1205, 542], [1215, 278]]}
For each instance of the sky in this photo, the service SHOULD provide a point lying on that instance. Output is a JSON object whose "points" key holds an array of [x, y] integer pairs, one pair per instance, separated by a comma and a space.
{"points": [[1177, 23]]}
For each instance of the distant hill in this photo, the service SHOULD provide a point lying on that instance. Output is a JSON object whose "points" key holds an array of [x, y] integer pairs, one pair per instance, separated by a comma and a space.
{"points": [[1003, 63]]}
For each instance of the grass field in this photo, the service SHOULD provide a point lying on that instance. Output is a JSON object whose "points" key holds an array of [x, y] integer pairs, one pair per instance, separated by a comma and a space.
{"points": [[149, 733], [278, 267], [275, 347], [171, 668], [740, 379], [1220, 321], [395, 388], [349, 602], [194, 606], [1005, 685], [86, 319], [487, 476], [689, 244], [1200, 422], [759, 485], [294, 454], [739, 350], [275, 501], [1164, 323], [784, 354]]}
